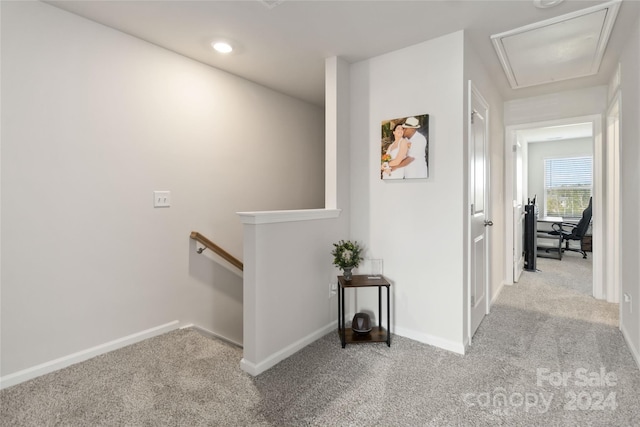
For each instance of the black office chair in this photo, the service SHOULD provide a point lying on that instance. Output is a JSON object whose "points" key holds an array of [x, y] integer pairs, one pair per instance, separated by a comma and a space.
{"points": [[569, 231]]}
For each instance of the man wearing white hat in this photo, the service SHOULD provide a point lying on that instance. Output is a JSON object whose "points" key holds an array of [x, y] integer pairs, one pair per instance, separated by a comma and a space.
{"points": [[417, 150]]}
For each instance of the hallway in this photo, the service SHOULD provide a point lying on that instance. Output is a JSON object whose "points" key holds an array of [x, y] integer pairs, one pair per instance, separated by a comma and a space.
{"points": [[573, 272]]}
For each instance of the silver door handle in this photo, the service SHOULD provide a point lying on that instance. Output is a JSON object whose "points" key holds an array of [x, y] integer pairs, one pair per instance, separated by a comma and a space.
{"points": [[489, 223]]}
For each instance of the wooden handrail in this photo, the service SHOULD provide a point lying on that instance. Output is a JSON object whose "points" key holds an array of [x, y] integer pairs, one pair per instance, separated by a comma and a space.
{"points": [[217, 249]]}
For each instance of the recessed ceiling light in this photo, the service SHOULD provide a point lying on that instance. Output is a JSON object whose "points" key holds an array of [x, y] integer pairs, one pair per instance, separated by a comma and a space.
{"points": [[222, 47], [543, 4]]}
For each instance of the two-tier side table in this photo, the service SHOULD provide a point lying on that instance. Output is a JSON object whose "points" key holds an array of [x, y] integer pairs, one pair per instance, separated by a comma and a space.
{"points": [[377, 333]]}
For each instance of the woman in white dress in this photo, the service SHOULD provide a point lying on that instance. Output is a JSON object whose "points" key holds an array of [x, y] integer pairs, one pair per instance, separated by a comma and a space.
{"points": [[398, 151]]}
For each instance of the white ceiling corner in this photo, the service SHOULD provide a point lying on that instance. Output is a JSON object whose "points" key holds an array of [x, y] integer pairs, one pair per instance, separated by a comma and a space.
{"points": [[561, 48]]}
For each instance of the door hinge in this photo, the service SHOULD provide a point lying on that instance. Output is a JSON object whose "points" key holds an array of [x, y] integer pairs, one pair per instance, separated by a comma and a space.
{"points": [[473, 113], [514, 148], [472, 212]]}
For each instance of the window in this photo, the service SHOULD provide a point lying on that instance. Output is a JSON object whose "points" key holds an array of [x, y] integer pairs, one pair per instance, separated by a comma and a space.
{"points": [[567, 186]]}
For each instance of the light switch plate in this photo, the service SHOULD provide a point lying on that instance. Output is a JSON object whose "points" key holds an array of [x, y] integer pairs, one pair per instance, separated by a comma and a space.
{"points": [[161, 199]]}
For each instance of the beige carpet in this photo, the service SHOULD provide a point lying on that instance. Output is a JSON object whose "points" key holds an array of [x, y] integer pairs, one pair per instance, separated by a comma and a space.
{"points": [[548, 354]]}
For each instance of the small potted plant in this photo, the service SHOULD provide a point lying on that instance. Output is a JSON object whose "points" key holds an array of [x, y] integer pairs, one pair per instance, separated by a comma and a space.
{"points": [[346, 256]]}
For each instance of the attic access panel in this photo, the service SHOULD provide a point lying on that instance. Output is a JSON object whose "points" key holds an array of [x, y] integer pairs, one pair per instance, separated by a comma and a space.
{"points": [[565, 47]]}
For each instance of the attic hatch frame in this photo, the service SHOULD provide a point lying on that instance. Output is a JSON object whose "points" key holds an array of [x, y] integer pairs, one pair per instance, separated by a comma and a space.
{"points": [[611, 11]]}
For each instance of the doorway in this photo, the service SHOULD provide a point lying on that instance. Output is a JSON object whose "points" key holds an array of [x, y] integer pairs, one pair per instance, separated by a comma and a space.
{"points": [[516, 179]]}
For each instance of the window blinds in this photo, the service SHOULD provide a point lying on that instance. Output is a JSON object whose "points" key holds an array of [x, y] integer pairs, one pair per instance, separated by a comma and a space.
{"points": [[567, 185]]}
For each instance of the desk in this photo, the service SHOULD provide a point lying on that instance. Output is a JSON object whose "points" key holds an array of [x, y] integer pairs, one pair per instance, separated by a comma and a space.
{"points": [[553, 242], [551, 219], [378, 333]]}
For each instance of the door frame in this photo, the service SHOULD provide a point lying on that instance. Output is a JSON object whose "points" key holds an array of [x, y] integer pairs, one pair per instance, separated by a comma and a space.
{"points": [[516, 272], [473, 92], [598, 199], [612, 184]]}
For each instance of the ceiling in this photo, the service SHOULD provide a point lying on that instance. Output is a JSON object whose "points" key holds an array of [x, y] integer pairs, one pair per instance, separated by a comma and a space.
{"points": [[557, 133], [283, 44]]}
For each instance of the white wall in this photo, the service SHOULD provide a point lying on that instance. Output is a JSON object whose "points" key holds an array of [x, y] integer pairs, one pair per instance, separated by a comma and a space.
{"points": [[630, 191], [288, 299], [415, 226], [287, 256], [569, 104], [539, 151], [93, 121]]}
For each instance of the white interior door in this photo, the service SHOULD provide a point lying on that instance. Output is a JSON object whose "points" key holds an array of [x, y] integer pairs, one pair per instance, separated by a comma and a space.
{"points": [[479, 220]]}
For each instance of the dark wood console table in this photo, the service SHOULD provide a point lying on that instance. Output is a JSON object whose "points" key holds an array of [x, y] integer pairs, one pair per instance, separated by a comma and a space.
{"points": [[377, 333]]}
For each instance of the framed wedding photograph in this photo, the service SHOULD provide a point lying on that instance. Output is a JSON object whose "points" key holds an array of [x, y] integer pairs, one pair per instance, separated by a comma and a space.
{"points": [[404, 148]]}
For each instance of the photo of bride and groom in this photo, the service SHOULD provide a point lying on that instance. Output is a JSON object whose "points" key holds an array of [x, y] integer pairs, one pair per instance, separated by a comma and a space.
{"points": [[405, 148]]}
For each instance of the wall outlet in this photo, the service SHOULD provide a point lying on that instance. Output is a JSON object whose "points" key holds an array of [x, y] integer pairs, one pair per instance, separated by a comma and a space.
{"points": [[627, 298], [333, 288]]}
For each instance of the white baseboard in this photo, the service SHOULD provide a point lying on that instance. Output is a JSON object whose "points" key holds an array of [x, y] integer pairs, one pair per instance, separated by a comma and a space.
{"points": [[634, 351], [497, 294], [211, 334], [72, 359], [253, 368], [454, 346]]}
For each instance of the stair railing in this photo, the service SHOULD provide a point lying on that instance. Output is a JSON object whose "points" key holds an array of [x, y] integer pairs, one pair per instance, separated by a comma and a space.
{"points": [[208, 244]]}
